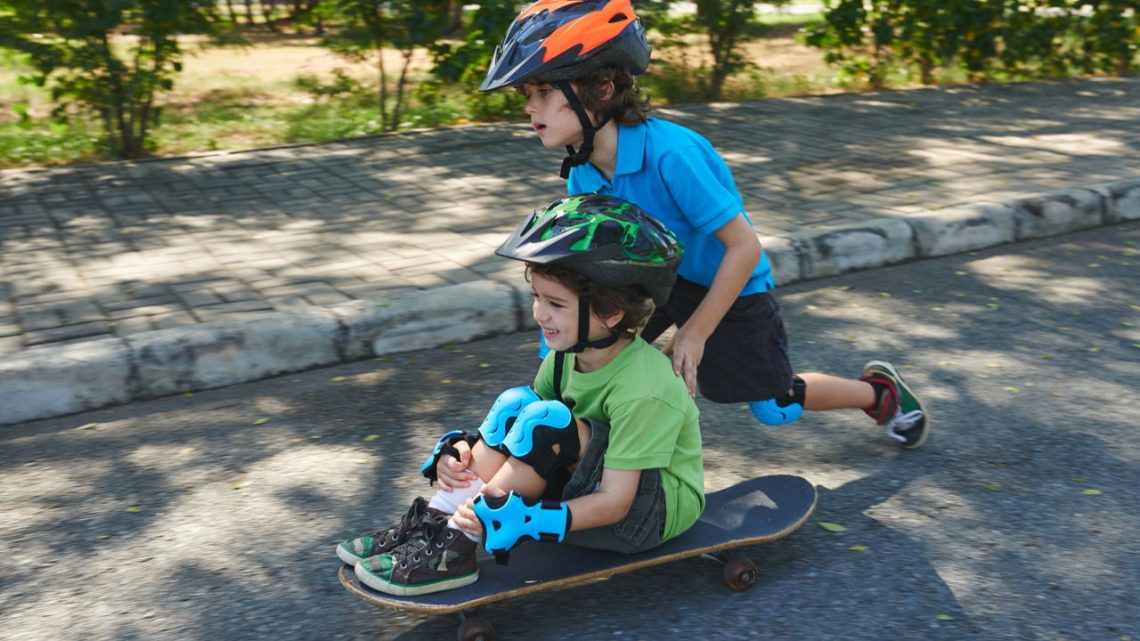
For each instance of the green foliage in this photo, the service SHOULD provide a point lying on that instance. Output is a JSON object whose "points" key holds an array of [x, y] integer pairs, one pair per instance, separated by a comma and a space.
{"points": [[39, 142], [73, 49], [726, 24], [1017, 39], [370, 27], [723, 24], [342, 85], [466, 63]]}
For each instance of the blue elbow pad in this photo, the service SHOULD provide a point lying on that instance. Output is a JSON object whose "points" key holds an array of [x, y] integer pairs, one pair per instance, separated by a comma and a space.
{"points": [[445, 445]]}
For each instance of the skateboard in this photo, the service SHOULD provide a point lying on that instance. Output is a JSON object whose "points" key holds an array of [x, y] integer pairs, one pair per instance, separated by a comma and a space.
{"points": [[753, 511]]}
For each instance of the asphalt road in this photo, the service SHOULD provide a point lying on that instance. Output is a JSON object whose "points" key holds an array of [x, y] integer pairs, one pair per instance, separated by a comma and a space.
{"points": [[214, 516]]}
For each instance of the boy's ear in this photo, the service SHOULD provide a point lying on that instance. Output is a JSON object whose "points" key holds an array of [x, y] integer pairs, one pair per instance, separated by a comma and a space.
{"points": [[613, 319], [608, 91]]}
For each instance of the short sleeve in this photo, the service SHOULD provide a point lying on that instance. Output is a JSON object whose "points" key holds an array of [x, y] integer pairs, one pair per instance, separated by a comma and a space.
{"points": [[643, 435], [698, 190], [544, 378]]}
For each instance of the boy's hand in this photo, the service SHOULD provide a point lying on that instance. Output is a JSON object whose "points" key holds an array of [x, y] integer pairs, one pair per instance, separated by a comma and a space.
{"points": [[465, 517], [452, 473], [687, 351]]}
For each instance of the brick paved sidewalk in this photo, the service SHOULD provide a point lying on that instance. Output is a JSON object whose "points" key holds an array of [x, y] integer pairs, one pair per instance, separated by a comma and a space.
{"points": [[115, 249]]}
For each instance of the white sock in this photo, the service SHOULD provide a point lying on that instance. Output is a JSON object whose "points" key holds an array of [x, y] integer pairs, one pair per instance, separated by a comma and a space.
{"points": [[449, 500]]}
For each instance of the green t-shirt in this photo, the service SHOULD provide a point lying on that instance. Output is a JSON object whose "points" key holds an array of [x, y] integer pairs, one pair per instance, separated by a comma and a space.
{"points": [[653, 422]]}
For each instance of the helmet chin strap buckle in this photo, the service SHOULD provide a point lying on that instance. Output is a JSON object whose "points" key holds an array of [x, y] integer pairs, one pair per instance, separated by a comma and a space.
{"points": [[582, 155], [571, 160]]}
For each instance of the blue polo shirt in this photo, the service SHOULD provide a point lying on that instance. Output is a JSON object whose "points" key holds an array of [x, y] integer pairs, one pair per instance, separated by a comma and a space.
{"points": [[675, 174]]}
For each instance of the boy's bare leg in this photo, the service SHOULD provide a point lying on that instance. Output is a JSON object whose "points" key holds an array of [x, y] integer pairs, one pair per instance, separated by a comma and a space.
{"points": [[826, 392], [516, 475], [486, 461]]}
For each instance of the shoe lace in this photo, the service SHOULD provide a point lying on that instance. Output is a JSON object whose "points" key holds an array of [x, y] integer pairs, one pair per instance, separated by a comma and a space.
{"points": [[407, 527], [434, 536], [900, 423]]}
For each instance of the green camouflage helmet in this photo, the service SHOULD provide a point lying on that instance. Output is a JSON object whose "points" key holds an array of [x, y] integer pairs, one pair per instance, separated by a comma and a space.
{"points": [[610, 241]]}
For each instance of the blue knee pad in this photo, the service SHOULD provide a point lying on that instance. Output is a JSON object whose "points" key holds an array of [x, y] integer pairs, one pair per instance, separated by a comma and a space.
{"points": [[503, 413], [506, 519], [781, 411], [770, 413], [539, 427]]}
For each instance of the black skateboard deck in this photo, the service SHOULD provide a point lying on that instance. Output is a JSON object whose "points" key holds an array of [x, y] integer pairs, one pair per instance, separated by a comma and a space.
{"points": [[753, 511]]}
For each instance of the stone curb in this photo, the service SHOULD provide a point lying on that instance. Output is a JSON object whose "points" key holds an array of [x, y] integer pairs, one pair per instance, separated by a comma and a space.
{"points": [[56, 381]]}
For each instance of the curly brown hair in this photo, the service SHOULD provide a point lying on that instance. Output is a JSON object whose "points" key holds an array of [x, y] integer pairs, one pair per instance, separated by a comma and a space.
{"points": [[632, 300], [627, 106]]}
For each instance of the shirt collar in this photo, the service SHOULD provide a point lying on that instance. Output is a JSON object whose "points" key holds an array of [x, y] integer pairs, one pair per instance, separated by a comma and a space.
{"points": [[631, 149], [630, 158]]}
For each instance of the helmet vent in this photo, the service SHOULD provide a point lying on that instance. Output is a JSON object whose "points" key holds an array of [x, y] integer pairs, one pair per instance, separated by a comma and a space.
{"points": [[538, 35], [619, 17]]}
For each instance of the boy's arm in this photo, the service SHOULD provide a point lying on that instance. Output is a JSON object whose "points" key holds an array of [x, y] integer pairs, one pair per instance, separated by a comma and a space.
{"points": [[742, 252], [609, 504]]}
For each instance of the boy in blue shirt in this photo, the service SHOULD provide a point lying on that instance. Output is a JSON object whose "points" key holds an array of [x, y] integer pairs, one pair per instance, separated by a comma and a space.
{"points": [[576, 62]]}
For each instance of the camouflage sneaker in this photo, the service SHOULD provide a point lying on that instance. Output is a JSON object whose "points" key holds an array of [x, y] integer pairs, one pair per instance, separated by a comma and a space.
{"points": [[898, 409], [384, 541], [439, 558]]}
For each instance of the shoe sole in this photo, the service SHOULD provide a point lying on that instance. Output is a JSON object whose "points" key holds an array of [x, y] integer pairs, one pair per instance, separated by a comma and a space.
{"points": [[348, 557], [380, 585], [890, 370]]}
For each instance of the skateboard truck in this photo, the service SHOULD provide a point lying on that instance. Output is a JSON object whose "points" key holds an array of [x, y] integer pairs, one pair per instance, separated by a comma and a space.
{"points": [[474, 626], [739, 573]]}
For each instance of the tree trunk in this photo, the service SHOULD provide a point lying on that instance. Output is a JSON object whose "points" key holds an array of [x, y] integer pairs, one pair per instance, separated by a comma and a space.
{"points": [[926, 69], [720, 45], [146, 110], [398, 109], [118, 135], [455, 11], [383, 90], [267, 13]]}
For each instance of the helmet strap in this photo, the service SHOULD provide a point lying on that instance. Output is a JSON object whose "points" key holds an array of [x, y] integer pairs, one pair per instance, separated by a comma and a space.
{"points": [[582, 155], [584, 330]]}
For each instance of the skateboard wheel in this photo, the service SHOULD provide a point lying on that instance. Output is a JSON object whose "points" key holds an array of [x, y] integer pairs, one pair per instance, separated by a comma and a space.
{"points": [[740, 573], [476, 629]]}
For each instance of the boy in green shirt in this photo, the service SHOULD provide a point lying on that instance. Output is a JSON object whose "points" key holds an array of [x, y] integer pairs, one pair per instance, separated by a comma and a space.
{"points": [[603, 452]]}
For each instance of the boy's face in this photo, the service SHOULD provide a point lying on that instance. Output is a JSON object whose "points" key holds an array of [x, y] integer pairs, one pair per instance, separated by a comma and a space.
{"points": [[555, 309], [552, 116]]}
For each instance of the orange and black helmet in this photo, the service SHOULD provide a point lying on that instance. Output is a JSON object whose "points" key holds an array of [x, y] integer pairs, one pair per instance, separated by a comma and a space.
{"points": [[554, 40]]}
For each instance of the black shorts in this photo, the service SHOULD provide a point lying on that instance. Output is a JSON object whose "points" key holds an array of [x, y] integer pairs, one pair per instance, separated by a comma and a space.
{"points": [[746, 358]]}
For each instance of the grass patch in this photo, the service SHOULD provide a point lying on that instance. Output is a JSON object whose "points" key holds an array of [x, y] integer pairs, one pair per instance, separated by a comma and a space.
{"points": [[269, 92], [45, 142], [284, 89]]}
